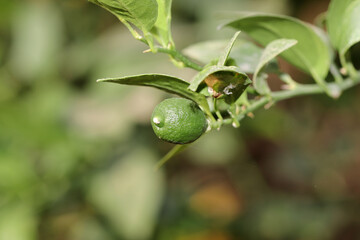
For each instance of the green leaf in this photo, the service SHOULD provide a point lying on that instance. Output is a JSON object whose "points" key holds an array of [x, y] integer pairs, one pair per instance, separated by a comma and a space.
{"points": [[166, 83], [343, 26], [311, 54], [326, 39], [142, 14], [245, 54], [31, 54], [344, 30], [227, 81], [162, 27], [272, 50], [226, 53]]}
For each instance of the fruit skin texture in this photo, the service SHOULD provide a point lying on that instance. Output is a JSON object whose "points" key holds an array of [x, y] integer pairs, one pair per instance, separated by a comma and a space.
{"points": [[178, 120]]}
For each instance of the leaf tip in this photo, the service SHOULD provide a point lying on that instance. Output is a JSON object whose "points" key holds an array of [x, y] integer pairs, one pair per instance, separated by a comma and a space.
{"points": [[237, 34], [221, 26], [248, 81], [102, 80], [293, 41], [192, 88]]}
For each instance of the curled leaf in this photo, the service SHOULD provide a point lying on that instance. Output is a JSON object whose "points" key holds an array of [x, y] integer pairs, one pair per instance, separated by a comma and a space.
{"points": [[244, 54], [343, 24], [228, 82], [272, 50], [224, 57]]}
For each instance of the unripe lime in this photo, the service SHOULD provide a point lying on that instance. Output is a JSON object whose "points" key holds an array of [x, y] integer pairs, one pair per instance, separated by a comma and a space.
{"points": [[178, 120]]}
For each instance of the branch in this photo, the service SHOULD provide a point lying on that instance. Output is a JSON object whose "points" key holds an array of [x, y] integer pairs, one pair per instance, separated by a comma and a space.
{"points": [[299, 90], [181, 58]]}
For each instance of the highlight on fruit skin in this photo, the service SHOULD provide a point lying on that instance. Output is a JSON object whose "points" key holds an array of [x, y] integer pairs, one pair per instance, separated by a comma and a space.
{"points": [[178, 120]]}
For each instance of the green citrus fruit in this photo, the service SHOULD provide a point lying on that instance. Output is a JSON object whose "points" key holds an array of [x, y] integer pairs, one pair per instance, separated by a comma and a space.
{"points": [[178, 120]]}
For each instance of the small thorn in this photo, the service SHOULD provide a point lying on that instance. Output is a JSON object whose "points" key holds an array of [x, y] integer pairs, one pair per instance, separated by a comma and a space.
{"points": [[287, 87], [235, 124], [343, 71], [251, 115], [147, 50], [267, 106], [237, 110]]}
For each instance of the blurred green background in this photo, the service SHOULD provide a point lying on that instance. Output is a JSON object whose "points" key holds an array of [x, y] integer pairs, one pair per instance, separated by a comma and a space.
{"points": [[77, 157]]}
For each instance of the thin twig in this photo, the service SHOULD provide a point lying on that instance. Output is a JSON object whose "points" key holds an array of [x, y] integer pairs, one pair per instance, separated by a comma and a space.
{"points": [[181, 58]]}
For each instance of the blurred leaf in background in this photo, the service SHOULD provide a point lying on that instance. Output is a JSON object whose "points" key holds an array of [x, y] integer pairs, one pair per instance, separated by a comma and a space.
{"points": [[36, 42], [130, 194]]}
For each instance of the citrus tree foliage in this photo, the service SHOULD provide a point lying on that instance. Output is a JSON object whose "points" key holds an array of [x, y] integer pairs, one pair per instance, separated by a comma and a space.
{"points": [[222, 79]]}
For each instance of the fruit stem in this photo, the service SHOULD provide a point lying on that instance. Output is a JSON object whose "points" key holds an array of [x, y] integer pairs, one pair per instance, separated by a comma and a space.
{"points": [[175, 150], [218, 114]]}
